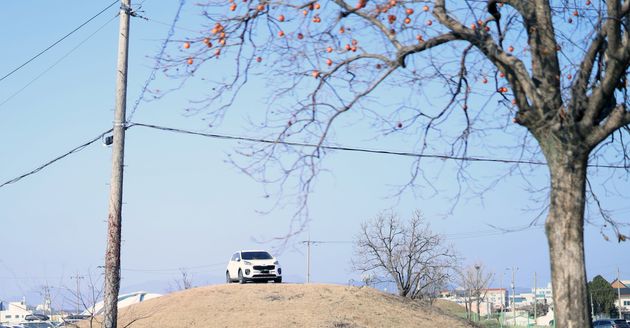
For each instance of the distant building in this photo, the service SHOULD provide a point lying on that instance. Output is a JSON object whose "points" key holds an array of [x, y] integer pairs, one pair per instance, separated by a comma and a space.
{"points": [[14, 313], [622, 291], [521, 300], [625, 300], [446, 294], [493, 299], [620, 283], [497, 298], [538, 295], [544, 294]]}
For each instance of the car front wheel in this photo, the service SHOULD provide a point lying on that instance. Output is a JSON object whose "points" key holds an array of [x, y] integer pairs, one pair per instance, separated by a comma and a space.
{"points": [[278, 280], [241, 279], [228, 280]]}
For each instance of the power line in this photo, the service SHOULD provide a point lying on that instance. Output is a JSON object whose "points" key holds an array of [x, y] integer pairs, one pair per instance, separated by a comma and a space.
{"points": [[361, 150], [296, 144], [327, 242], [451, 236], [249, 139], [176, 27], [56, 159], [56, 62], [58, 41], [167, 270]]}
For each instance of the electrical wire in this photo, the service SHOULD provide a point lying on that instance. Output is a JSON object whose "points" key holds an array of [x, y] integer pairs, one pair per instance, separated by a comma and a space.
{"points": [[168, 270], [361, 150], [57, 42], [296, 144], [176, 27], [56, 62], [448, 236], [56, 159]]}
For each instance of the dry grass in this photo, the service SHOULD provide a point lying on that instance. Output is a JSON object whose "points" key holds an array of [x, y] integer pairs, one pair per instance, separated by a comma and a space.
{"points": [[284, 305], [449, 307]]}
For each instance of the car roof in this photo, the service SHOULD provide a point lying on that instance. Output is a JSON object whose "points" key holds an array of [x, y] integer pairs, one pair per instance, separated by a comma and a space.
{"points": [[253, 250]]}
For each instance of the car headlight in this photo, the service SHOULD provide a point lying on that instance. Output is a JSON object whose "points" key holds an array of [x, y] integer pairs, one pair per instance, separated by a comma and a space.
{"points": [[247, 262], [276, 263]]}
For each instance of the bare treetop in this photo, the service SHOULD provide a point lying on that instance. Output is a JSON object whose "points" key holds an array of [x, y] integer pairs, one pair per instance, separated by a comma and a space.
{"points": [[405, 252], [321, 59]]}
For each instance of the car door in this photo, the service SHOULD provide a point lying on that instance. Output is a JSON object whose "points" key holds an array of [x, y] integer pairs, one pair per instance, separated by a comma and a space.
{"points": [[233, 265], [237, 263]]}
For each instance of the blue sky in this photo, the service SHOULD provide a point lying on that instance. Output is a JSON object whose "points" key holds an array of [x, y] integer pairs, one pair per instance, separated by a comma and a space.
{"points": [[185, 207]]}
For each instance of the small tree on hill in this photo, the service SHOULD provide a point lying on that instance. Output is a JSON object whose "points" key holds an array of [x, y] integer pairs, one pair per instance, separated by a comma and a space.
{"points": [[409, 253]]}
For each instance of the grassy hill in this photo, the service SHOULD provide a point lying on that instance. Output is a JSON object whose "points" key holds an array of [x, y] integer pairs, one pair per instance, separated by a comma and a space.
{"points": [[284, 305]]}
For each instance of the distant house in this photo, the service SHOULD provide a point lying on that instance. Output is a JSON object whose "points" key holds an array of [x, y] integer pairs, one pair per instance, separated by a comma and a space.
{"points": [[446, 294], [623, 288], [14, 313], [620, 283]]}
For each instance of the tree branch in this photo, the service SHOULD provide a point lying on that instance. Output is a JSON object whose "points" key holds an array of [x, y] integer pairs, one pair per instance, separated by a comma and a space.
{"points": [[514, 68], [579, 97]]}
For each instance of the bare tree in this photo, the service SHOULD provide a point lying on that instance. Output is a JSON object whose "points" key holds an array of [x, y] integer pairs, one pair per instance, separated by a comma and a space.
{"points": [[367, 278], [87, 298], [184, 281], [409, 253], [475, 281], [561, 79]]}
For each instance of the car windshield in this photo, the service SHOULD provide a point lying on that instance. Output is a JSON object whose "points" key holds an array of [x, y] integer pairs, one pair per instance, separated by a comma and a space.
{"points": [[256, 256]]}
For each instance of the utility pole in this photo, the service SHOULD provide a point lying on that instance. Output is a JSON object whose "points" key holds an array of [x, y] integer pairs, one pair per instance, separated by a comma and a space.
{"points": [[112, 253], [78, 278], [308, 262], [619, 293], [503, 298], [535, 300], [47, 300]]}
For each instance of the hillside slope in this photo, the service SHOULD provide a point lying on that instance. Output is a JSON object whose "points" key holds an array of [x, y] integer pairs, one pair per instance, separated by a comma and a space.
{"points": [[283, 305]]}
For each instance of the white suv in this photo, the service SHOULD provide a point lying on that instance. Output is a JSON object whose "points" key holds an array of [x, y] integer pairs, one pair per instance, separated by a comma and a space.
{"points": [[254, 265]]}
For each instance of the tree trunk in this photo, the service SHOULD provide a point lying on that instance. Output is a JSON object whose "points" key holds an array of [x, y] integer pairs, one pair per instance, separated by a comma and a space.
{"points": [[478, 310], [467, 309], [565, 235]]}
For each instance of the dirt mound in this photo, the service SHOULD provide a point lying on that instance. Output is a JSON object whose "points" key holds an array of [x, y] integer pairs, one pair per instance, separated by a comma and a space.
{"points": [[284, 305]]}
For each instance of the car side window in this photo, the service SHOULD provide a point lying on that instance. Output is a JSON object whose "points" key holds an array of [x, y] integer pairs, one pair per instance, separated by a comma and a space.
{"points": [[238, 256], [234, 257]]}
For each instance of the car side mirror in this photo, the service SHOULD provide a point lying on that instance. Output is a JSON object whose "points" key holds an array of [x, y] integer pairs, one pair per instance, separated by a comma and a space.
{"points": [[238, 260]]}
